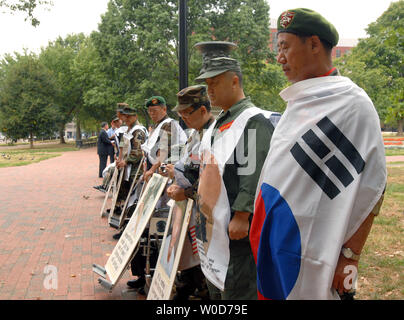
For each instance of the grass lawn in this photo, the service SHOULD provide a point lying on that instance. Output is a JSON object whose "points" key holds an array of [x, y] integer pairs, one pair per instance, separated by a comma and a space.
{"points": [[10, 157], [395, 152], [381, 268]]}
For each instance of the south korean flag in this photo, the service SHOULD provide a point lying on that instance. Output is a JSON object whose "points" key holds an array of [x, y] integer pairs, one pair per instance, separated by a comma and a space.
{"points": [[323, 175]]}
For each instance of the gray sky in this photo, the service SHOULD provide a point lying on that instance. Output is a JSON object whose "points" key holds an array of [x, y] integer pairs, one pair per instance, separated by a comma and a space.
{"points": [[350, 17]]}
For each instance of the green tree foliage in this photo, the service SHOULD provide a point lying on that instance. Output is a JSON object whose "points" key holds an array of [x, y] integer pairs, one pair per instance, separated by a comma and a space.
{"points": [[84, 94], [138, 45], [59, 58], [26, 105], [27, 6], [376, 64]]}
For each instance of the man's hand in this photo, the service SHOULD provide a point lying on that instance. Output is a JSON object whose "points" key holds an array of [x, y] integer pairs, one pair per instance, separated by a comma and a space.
{"points": [[169, 172], [148, 174], [176, 192], [345, 273], [121, 164], [239, 225]]}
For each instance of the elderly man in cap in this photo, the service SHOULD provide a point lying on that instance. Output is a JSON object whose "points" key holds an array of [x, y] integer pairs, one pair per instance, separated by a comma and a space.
{"points": [[166, 133], [131, 149], [324, 178], [194, 108], [233, 152]]}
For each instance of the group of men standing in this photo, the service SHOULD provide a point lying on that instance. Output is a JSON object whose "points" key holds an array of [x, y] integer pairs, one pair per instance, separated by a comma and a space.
{"points": [[283, 205]]}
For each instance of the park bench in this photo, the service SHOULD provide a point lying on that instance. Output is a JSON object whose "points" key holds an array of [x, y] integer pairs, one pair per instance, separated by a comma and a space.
{"points": [[86, 143]]}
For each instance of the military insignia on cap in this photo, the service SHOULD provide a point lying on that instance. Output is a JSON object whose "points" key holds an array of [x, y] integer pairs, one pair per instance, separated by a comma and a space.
{"points": [[286, 19], [155, 101]]}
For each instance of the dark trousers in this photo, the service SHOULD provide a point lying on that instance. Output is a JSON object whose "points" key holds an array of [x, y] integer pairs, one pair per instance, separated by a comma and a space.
{"points": [[138, 263], [103, 163], [241, 277]]}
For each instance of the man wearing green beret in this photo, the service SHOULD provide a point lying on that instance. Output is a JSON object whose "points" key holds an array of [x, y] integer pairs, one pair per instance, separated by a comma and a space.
{"points": [[233, 152], [324, 177], [165, 133]]}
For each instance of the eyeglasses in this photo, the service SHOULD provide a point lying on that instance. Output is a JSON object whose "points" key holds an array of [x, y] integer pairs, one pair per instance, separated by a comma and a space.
{"points": [[187, 114]]}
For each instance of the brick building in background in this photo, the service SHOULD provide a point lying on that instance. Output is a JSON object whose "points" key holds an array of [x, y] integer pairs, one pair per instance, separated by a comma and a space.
{"points": [[343, 47]]}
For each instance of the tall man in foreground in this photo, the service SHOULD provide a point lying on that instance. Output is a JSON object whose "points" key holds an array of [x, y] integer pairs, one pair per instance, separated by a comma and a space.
{"points": [[232, 153], [323, 180]]}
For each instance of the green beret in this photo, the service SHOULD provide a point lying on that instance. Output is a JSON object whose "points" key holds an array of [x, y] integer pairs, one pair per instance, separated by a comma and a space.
{"points": [[155, 101], [190, 96], [306, 22]]}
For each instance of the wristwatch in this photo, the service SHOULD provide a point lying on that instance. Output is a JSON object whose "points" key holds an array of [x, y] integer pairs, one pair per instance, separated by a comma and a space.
{"points": [[349, 254]]}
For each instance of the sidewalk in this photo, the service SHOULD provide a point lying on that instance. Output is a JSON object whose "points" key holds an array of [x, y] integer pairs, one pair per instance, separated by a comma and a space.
{"points": [[50, 217]]}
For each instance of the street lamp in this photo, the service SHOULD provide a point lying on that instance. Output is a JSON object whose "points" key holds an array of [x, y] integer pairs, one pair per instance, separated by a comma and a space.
{"points": [[183, 44]]}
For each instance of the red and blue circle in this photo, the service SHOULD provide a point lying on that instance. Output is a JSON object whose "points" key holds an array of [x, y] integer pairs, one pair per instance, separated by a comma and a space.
{"points": [[277, 248]]}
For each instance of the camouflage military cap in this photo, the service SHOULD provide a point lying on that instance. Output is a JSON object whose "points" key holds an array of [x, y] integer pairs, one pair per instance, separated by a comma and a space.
{"points": [[120, 106], [128, 110], [306, 22], [216, 59], [191, 96], [155, 101]]}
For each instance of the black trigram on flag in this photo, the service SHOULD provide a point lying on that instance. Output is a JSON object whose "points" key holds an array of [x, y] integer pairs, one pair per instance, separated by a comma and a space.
{"points": [[333, 163]]}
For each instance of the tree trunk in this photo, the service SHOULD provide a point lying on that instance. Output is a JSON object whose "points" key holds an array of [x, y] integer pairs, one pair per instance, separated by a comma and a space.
{"points": [[78, 134], [31, 140], [62, 134], [400, 127]]}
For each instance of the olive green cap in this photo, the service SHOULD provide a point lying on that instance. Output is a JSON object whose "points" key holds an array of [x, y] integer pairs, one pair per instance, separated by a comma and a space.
{"points": [[191, 96], [216, 59], [306, 22], [155, 101]]}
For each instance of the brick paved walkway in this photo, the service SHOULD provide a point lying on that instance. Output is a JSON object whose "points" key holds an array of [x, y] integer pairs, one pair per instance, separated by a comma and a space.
{"points": [[46, 221]]}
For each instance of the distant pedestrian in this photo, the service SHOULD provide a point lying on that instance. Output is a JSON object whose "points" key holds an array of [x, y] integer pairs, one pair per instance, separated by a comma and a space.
{"points": [[104, 147]]}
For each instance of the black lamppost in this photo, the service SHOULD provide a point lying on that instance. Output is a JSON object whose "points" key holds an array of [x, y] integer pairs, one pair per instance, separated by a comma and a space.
{"points": [[183, 48], [183, 44]]}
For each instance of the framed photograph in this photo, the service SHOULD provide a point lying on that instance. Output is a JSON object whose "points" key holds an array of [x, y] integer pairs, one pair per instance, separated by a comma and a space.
{"points": [[125, 248], [171, 250]]}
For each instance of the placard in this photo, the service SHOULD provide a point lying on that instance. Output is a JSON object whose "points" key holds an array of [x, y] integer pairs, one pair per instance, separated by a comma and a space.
{"points": [[111, 187], [124, 249], [171, 250]]}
